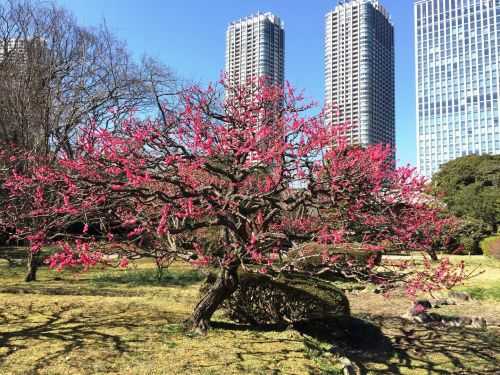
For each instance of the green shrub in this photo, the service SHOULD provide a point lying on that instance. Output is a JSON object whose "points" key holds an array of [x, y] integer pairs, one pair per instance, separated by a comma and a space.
{"points": [[470, 245], [491, 247], [475, 229], [289, 299], [469, 234], [470, 187]]}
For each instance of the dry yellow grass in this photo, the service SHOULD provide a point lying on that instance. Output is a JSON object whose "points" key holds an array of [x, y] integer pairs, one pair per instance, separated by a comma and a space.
{"points": [[135, 328], [92, 335]]}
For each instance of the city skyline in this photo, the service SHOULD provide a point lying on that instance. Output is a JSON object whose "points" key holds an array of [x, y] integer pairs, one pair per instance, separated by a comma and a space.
{"points": [[189, 36]]}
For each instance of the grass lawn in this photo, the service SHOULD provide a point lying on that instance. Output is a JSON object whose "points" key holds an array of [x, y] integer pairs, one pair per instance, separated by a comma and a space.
{"points": [[125, 322]]}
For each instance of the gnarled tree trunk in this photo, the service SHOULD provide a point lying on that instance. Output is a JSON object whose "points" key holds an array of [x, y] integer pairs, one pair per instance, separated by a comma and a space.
{"points": [[32, 267], [225, 284]]}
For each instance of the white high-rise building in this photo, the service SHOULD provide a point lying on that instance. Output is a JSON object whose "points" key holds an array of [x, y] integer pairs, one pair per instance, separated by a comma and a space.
{"points": [[15, 49], [20, 52], [457, 58], [359, 70], [255, 47]]}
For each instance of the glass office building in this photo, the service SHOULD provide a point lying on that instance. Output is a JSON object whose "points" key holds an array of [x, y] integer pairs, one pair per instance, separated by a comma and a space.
{"points": [[359, 70], [457, 80]]}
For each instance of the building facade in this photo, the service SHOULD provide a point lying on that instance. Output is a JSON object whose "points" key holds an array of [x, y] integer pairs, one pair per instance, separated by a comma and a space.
{"points": [[255, 47], [23, 52], [359, 70], [457, 54], [14, 49]]}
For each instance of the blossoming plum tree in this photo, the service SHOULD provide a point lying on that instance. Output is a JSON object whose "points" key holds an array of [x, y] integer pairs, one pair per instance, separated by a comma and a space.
{"points": [[41, 204], [228, 182]]}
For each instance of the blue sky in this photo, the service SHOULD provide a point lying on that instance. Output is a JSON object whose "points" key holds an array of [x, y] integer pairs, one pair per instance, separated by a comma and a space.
{"points": [[189, 36]]}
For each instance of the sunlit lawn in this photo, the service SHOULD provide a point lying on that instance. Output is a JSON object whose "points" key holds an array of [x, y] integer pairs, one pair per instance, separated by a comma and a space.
{"points": [[125, 322]]}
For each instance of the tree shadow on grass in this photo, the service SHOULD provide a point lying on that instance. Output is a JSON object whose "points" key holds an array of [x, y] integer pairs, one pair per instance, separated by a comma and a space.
{"points": [[98, 284], [272, 352], [357, 339], [387, 345], [439, 349], [231, 326], [66, 329], [392, 345], [377, 344]]}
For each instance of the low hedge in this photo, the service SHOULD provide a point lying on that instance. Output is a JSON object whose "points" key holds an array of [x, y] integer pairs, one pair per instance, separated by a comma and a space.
{"points": [[491, 247], [469, 246]]}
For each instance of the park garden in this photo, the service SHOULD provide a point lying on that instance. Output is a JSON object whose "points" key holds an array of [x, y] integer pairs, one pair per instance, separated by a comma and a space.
{"points": [[153, 226]]}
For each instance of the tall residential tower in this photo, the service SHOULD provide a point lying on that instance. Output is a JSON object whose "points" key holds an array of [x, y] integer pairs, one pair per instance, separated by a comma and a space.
{"points": [[359, 70], [255, 47], [457, 57]]}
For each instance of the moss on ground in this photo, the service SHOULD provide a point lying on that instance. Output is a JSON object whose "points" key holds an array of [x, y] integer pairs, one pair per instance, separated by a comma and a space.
{"points": [[481, 293]]}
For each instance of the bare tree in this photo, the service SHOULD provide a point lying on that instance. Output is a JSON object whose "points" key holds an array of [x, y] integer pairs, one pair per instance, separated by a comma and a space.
{"points": [[56, 75]]}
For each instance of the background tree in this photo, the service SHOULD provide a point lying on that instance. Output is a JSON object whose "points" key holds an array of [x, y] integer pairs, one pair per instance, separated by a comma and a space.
{"points": [[41, 205], [470, 187], [56, 75]]}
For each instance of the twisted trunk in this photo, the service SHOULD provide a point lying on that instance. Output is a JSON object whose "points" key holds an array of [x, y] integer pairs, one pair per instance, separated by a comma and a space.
{"points": [[225, 284]]}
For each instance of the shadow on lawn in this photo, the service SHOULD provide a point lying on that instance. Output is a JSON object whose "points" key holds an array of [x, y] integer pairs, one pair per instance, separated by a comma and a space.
{"points": [[399, 344], [389, 345], [378, 345], [461, 350], [69, 330]]}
